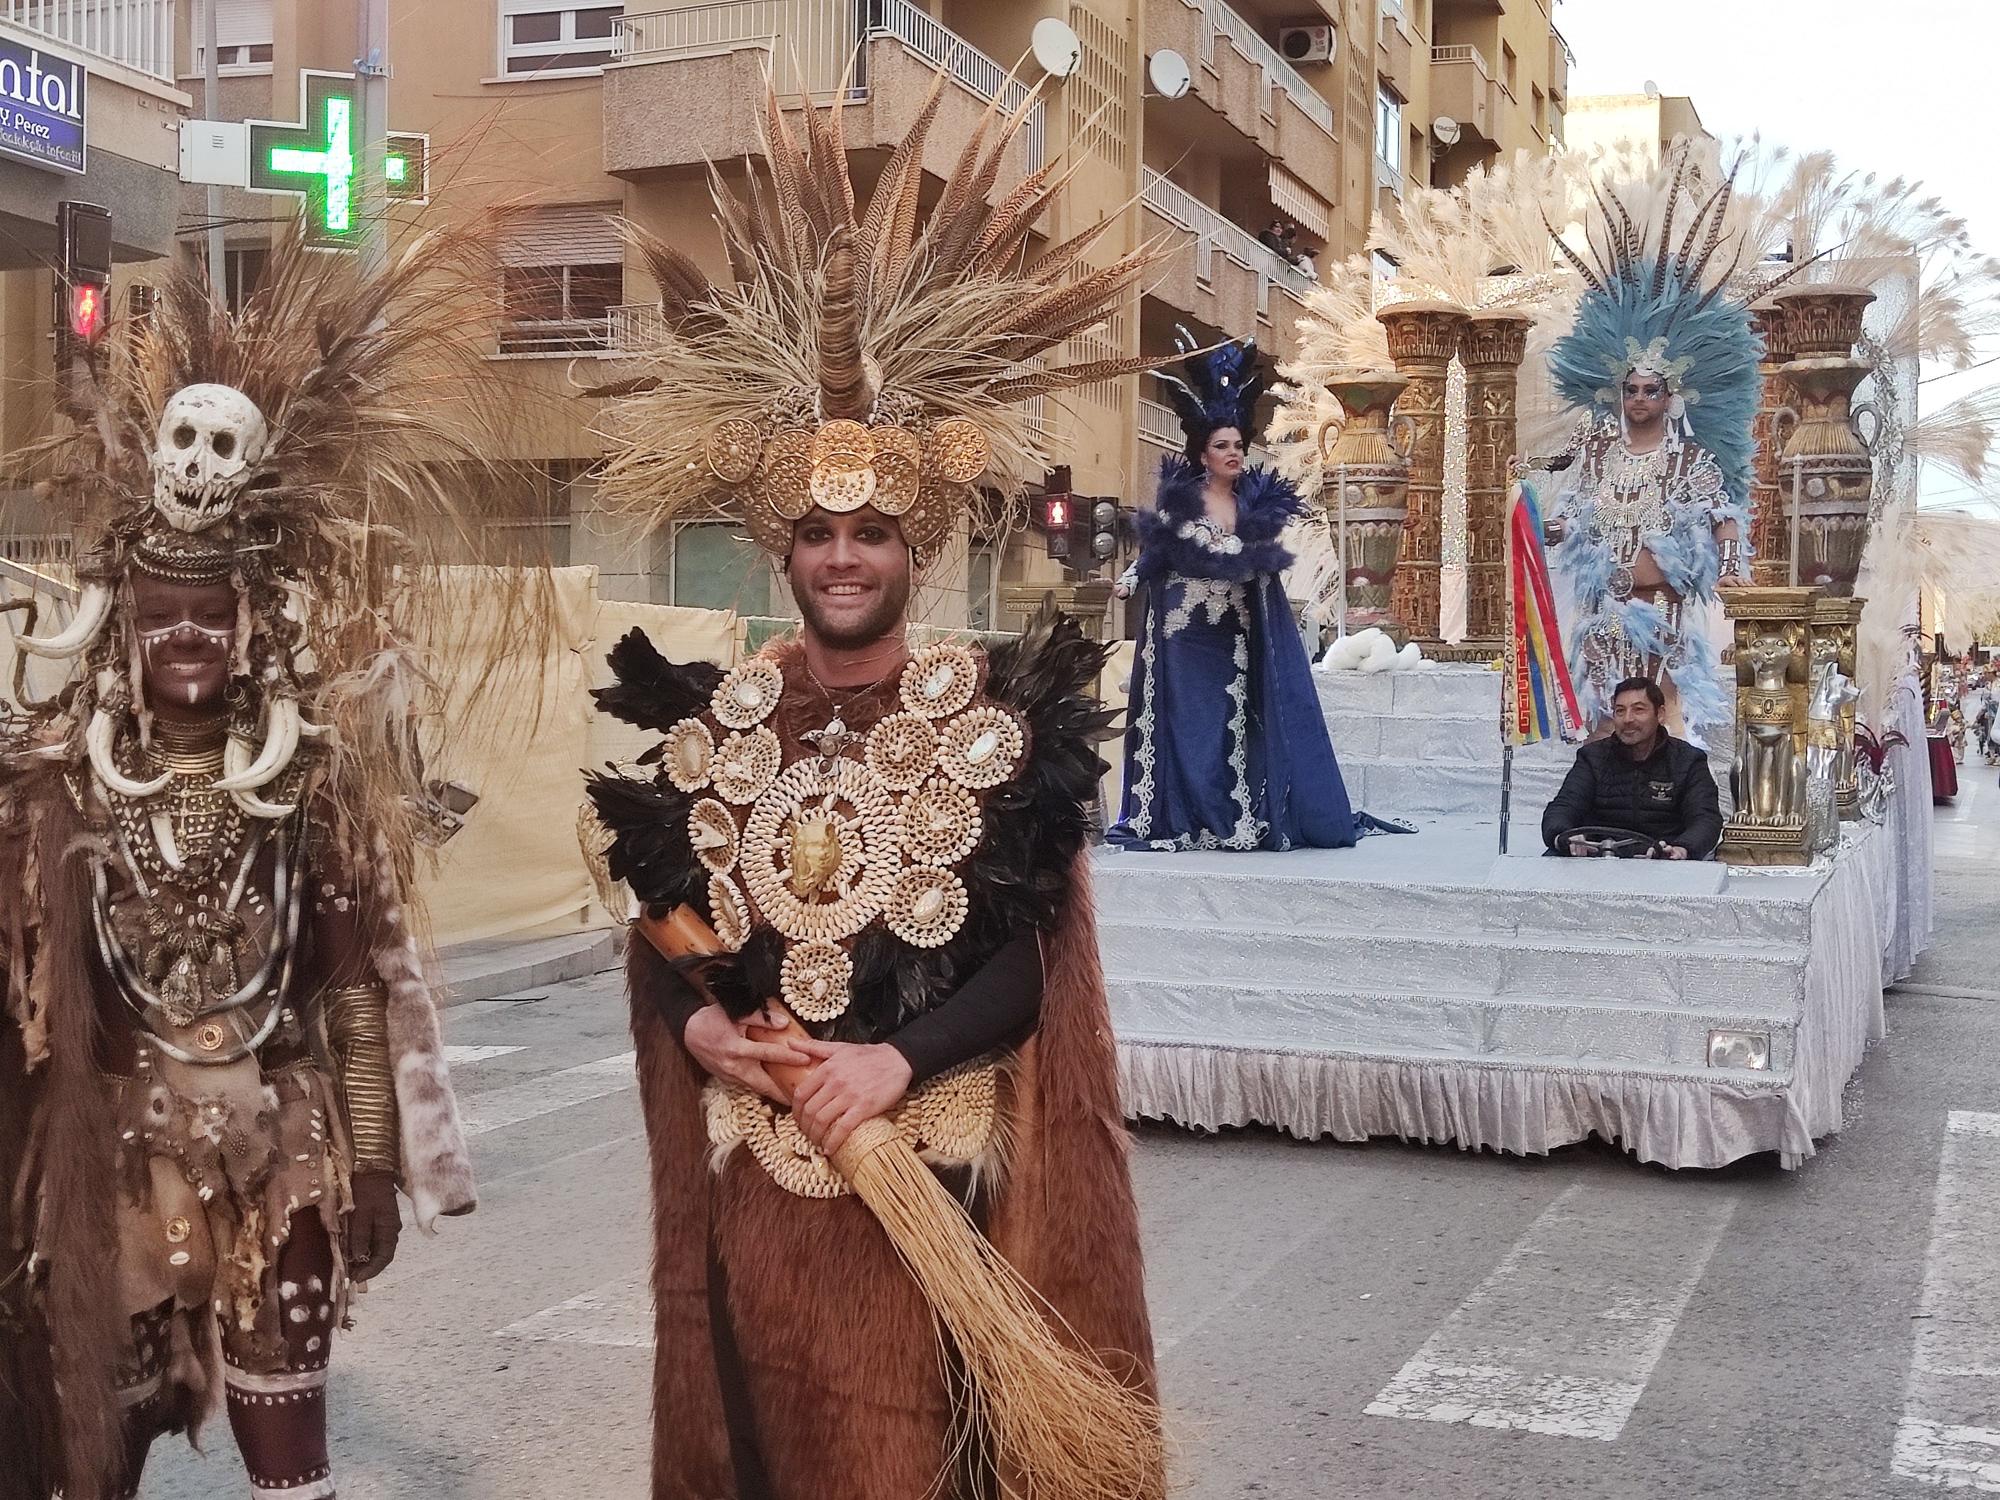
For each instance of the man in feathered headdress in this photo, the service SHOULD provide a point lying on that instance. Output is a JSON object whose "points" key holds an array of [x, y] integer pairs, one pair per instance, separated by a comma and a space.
{"points": [[887, 839], [216, 1012], [1654, 512]]}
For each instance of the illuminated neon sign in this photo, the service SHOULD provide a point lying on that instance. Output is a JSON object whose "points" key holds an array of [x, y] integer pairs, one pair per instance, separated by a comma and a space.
{"points": [[316, 157]]}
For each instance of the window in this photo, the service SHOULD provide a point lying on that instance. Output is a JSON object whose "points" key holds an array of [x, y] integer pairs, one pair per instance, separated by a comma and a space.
{"points": [[1389, 128], [1540, 109], [243, 34], [537, 37], [714, 566], [1509, 69], [242, 270], [562, 270], [982, 586]]}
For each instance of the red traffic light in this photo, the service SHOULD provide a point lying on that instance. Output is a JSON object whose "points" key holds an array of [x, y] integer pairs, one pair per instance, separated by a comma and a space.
{"points": [[86, 311], [1055, 513]]}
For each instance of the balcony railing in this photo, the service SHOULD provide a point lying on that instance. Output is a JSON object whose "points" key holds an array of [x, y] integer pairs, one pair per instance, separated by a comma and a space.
{"points": [[817, 45], [1223, 21], [136, 33], [1214, 233], [1462, 53], [636, 326], [1159, 426]]}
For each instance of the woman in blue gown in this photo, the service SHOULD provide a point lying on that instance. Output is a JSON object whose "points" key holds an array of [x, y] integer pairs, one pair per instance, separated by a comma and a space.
{"points": [[1227, 747]]}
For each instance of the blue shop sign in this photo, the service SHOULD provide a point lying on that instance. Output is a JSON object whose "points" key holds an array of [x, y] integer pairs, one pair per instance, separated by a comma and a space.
{"points": [[41, 107]]}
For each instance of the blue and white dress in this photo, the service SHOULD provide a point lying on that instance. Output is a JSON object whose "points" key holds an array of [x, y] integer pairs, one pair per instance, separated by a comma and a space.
{"points": [[1226, 746]]}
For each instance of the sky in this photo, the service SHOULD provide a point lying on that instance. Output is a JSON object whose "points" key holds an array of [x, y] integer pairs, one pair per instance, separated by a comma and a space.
{"points": [[1896, 87]]}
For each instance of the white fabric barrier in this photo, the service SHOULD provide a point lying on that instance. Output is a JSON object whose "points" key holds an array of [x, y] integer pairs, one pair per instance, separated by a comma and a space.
{"points": [[1519, 1056]]}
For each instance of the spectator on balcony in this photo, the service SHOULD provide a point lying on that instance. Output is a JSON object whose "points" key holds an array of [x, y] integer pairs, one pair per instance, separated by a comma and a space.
{"points": [[1272, 236]]}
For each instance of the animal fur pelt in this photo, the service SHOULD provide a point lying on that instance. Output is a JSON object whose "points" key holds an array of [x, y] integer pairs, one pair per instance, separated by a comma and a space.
{"points": [[828, 1330], [1266, 502], [437, 1167], [841, 1343], [77, 1180]]}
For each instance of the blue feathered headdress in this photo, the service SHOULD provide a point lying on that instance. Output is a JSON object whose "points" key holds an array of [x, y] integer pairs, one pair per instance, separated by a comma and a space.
{"points": [[1221, 389], [1662, 308]]}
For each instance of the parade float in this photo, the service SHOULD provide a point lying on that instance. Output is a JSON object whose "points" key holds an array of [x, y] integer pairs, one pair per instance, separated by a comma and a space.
{"points": [[1457, 986]]}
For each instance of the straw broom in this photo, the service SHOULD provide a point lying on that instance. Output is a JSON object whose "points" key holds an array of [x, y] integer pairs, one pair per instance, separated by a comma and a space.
{"points": [[1061, 1427]]}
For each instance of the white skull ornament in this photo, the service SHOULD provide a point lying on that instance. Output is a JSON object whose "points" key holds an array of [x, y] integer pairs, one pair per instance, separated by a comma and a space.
{"points": [[210, 437]]}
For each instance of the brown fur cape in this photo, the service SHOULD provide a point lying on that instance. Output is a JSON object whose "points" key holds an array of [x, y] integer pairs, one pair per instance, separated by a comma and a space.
{"points": [[788, 1322]]}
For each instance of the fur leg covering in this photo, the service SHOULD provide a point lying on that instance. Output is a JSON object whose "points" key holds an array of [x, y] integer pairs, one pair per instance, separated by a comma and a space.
{"points": [[79, 1228], [437, 1167], [690, 1437]]}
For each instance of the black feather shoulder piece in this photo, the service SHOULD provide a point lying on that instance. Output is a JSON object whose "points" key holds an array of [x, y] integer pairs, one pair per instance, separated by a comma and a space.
{"points": [[651, 691], [1039, 822], [651, 852]]}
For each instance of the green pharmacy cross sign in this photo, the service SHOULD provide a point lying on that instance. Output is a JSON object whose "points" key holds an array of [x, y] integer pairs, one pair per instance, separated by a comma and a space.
{"points": [[318, 156]]}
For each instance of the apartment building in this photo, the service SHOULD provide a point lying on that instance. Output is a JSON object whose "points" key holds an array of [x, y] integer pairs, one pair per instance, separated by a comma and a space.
{"points": [[88, 112], [567, 114], [1647, 123]]}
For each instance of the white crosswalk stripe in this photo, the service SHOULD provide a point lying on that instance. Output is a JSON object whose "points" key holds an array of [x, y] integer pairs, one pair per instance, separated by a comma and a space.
{"points": [[1563, 1336], [461, 1057], [1948, 1435], [498, 1108], [617, 1315]]}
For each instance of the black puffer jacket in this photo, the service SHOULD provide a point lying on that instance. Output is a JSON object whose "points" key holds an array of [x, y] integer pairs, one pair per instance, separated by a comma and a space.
{"points": [[1670, 796]]}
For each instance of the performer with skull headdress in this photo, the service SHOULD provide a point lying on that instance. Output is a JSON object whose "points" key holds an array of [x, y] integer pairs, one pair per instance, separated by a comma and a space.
{"points": [[888, 841], [1654, 512], [216, 1011], [1227, 747]]}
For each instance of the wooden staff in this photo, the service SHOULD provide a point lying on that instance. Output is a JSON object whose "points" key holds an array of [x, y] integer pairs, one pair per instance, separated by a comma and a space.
{"points": [[1056, 1417]]}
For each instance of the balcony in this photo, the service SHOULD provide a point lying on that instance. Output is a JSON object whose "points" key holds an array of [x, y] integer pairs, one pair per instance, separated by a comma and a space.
{"points": [[137, 34], [1160, 428], [1224, 278], [1395, 53], [1463, 87], [1559, 61], [687, 86], [1241, 77]]}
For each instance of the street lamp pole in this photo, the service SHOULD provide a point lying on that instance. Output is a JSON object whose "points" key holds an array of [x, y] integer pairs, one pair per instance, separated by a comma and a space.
{"points": [[211, 75], [371, 76]]}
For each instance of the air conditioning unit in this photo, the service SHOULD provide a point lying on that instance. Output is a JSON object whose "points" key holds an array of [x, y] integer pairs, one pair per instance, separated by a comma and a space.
{"points": [[1305, 44]]}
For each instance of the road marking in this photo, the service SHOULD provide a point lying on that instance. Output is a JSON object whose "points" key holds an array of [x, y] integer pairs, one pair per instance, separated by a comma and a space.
{"points": [[617, 1315], [498, 1108], [1563, 1336], [459, 1057], [1945, 1437]]}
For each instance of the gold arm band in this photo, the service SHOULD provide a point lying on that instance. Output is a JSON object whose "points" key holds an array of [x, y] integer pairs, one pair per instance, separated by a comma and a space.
{"points": [[357, 1029]]}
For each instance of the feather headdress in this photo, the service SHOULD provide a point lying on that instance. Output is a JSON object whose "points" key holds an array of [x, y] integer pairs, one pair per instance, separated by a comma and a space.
{"points": [[1220, 389], [321, 450], [1657, 299], [860, 353]]}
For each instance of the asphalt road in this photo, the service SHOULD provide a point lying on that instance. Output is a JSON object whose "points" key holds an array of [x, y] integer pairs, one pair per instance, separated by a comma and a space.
{"points": [[1744, 1333]]}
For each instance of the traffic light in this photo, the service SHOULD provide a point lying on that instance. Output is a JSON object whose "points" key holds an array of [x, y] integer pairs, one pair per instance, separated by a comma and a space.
{"points": [[1105, 516], [1054, 515], [83, 280]]}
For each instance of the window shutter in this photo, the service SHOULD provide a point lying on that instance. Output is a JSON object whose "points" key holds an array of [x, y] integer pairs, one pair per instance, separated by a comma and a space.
{"points": [[562, 236], [240, 23]]}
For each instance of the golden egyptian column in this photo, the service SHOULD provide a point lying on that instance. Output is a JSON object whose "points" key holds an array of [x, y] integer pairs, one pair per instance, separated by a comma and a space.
{"points": [[1423, 338], [1770, 539], [1493, 346]]}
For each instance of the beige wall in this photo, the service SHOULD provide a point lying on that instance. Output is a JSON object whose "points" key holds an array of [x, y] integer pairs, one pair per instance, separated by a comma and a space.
{"points": [[1649, 123]]}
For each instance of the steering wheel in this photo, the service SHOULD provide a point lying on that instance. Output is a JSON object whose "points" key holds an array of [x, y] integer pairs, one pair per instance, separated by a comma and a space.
{"points": [[1614, 843]]}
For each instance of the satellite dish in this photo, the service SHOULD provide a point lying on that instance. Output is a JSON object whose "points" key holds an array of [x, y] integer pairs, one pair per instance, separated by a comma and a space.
{"points": [[1652, 89], [1168, 72], [1446, 131], [1056, 47]]}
